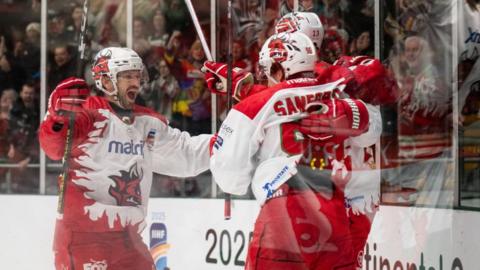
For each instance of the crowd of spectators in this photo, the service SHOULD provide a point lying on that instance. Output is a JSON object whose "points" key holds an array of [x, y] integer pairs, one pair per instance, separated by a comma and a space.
{"points": [[165, 38], [419, 158]]}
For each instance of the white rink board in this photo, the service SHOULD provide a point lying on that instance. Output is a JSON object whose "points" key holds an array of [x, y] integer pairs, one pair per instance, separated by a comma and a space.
{"points": [[26, 232], [435, 239], [194, 225], [430, 239]]}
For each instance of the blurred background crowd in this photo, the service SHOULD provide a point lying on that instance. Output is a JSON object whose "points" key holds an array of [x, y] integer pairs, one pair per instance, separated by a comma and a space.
{"points": [[415, 45]]}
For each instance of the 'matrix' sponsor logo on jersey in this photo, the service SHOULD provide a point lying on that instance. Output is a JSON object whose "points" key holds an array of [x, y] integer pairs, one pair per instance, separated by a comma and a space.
{"points": [[127, 148]]}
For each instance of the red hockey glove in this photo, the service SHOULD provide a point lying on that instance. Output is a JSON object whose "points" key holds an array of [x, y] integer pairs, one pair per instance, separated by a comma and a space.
{"points": [[216, 77], [373, 82], [327, 73], [335, 120], [68, 96]]}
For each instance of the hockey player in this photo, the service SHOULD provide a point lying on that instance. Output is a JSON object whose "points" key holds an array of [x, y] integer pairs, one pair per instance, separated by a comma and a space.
{"points": [[116, 147], [364, 78], [261, 145]]}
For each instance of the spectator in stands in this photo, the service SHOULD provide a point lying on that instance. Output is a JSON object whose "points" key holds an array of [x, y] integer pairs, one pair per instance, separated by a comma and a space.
{"points": [[199, 106], [24, 150], [158, 36], [140, 43], [174, 53], [11, 75], [107, 32], [6, 102], [36, 6], [333, 13], [63, 65], [238, 55], [147, 8], [286, 7], [359, 23], [74, 28], [57, 28], [362, 44], [162, 91], [8, 97], [311, 6], [194, 61], [177, 16], [334, 45], [32, 32], [96, 17], [139, 28], [469, 64], [423, 130], [27, 52], [191, 107]]}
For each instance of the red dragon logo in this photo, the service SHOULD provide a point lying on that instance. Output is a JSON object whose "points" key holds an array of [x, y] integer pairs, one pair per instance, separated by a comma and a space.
{"points": [[277, 50], [100, 66], [127, 187], [287, 24]]}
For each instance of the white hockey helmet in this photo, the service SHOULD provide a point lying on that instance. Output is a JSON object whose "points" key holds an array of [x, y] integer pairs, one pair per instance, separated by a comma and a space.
{"points": [[295, 53], [112, 60], [306, 22]]}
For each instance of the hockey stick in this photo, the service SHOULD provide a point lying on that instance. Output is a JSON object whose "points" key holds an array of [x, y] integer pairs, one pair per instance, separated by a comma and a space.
{"points": [[228, 198], [201, 36], [63, 178]]}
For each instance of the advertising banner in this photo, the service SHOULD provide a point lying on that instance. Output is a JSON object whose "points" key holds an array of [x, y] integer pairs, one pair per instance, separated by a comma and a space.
{"points": [[192, 234]]}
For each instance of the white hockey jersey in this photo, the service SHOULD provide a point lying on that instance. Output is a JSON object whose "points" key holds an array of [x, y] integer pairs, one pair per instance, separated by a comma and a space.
{"points": [[111, 164], [259, 142]]}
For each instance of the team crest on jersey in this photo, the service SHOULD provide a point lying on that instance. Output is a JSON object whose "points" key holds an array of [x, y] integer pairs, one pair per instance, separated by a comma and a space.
{"points": [[126, 190]]}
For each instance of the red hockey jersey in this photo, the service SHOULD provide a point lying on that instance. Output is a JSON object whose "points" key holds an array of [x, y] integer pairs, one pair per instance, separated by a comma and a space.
{"points": [[112, 161]]}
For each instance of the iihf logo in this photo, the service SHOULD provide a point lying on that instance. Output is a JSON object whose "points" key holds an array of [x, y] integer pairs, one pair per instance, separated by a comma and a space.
{"points": [[159, 245]]}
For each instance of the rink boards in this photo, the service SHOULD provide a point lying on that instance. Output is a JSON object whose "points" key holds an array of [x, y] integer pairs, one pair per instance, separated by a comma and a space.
{"points": [[192, 234]]}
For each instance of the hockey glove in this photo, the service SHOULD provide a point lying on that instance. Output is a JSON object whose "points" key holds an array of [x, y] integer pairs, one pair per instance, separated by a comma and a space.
{"points": [[335, 120], [216, 78], [67, 97], [373, 83]]}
